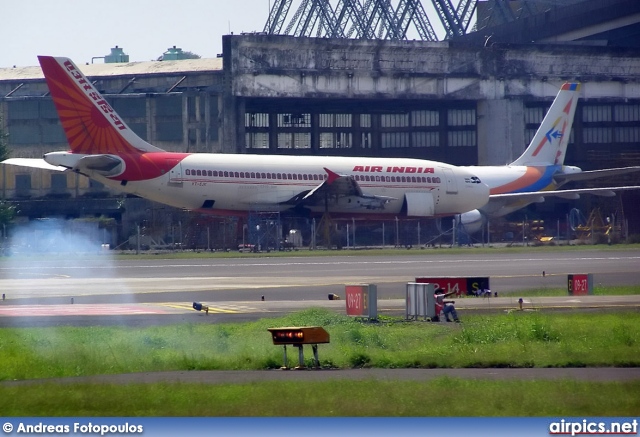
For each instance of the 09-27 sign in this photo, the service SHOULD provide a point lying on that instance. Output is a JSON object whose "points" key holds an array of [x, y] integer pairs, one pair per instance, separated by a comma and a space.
{"points": [[580, 284], [362, 300]]}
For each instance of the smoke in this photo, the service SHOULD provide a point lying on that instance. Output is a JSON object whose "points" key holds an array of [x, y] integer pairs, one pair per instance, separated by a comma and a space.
{"points": [[52, 261]]}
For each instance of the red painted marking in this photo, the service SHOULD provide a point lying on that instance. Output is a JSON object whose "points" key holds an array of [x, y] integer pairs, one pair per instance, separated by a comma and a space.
{"points": [[78, 310]]}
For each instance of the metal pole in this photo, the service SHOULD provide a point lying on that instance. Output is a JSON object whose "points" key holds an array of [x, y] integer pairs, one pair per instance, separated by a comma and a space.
{"points": [[383, 234], [315, 355], [418, 233], [208, 239], [353, 240], [397, 234], [313, 234], [626, 230], [300, 357], [347, 235], [284, 366], [453, 232], [138, 240], [224, 233]]}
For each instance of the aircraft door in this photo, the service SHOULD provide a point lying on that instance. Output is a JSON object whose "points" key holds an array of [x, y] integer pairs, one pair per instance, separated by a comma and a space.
{"points": [[419, 204], [175, 174], [452, 184]]}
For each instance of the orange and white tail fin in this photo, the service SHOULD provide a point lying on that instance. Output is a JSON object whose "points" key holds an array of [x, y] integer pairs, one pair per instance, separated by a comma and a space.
{"points": [[89, 122], [549, 145]]}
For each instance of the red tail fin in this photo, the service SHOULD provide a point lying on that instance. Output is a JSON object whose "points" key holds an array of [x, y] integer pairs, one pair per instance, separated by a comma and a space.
{"points": [[89, 122]]}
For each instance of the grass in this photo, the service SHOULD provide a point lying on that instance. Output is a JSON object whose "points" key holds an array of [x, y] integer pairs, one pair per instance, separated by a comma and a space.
{"points": [[364, 251], [439, 397], [518, 339], [598, 290]]}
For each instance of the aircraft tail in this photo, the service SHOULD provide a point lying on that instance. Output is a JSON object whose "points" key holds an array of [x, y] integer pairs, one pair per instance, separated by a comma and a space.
{"points": [[89, 122], [549, 144]]}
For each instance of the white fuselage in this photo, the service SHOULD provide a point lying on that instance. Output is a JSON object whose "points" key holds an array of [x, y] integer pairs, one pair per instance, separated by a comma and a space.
{"points": [[232, 183]]}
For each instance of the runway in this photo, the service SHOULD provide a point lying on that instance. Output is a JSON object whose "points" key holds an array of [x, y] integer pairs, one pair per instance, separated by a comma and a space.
{"points": [[105, 290]]}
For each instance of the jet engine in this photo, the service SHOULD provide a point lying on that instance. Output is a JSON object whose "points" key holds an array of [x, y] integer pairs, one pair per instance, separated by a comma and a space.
{"points": [[471, 221]]}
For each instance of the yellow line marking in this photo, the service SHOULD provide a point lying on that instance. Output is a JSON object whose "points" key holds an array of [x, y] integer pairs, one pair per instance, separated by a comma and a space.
{"points": [[212, 309]]}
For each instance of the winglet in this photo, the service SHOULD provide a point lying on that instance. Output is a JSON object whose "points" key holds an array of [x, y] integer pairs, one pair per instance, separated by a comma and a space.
{"points": [[570, 87], [332, 176]]}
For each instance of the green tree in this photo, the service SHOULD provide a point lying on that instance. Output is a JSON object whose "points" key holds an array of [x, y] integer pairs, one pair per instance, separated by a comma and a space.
{"points": [[7, 211], [4, 145]]}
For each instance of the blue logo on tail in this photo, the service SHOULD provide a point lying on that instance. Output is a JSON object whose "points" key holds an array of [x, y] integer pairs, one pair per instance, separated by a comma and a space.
{"points": [[553, 134]]}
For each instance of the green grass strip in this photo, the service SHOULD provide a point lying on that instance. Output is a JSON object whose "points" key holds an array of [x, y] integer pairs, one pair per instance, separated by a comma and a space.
{"points": [[439, 397], [516, 339]]}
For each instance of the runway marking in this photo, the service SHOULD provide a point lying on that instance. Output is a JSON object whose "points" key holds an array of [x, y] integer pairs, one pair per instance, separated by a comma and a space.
{"points": [[223, 309], [322, 263], [79, 310]]}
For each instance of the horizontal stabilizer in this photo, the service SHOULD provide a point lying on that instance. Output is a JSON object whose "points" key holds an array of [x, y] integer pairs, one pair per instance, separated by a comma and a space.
{"points": [[605, 191], [33, 163], [593, 174]]}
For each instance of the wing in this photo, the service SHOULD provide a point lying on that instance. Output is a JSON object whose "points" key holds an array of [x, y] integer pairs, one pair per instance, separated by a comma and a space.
{"points": [[565, 194], [593, 174], [33, 163], [336, 187], [502, 204]]}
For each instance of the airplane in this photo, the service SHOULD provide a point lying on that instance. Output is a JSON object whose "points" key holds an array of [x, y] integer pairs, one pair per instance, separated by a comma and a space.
{"points": [[540, 171], [105, 149]]}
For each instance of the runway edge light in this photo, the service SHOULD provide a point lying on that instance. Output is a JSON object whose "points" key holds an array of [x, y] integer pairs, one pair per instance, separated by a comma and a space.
{"points": [[200, 307], [299, 336]]}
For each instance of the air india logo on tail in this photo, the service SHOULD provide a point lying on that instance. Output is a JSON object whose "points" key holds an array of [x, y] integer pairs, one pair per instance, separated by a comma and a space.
{"points": [[89, 122], [91, 93]]}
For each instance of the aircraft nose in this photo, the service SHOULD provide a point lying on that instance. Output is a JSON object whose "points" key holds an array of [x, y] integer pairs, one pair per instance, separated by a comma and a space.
{"points": [[479, 191]]}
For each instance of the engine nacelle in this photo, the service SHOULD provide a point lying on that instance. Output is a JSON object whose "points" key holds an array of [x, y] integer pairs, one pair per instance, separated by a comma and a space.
{"points": [[472, 221]]}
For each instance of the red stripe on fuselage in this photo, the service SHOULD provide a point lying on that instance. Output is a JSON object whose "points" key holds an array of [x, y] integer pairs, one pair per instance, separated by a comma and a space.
{"points": [[144, 166]]}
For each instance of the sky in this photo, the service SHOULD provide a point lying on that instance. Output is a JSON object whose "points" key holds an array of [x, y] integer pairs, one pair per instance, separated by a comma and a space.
{"points": [[145, 29]]}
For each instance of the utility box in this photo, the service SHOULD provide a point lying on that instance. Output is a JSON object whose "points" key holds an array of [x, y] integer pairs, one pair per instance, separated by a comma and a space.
{"points": [[420, 301], [362, 300]]}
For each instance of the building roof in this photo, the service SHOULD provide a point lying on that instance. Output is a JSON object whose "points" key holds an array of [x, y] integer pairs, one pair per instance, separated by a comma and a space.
{"points": [[122, 69], [612, 23]]}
